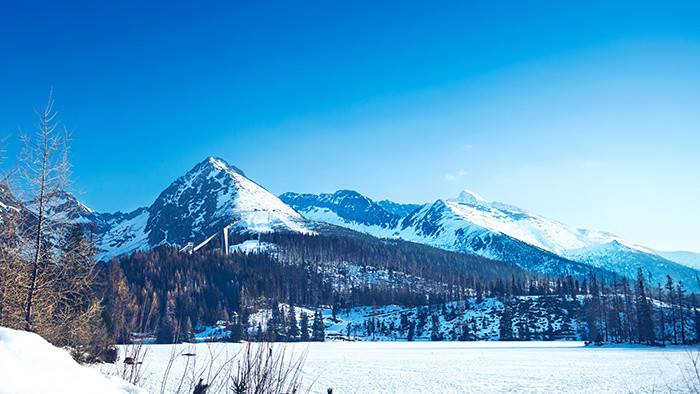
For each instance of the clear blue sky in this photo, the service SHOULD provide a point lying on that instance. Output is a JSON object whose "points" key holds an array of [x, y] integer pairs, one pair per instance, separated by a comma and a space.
{"points": [[585, 112]]}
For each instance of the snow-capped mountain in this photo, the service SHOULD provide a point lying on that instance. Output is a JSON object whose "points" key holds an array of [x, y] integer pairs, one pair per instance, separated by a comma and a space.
{"points": [[433, 224], [200, 203], [8, 202], [210, 196], [473, 224], [61, 206], [214, 195], [346, 208], [123, 232], [65, 206]]}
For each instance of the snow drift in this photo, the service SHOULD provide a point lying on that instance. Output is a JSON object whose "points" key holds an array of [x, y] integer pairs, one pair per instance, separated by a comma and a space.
{"points": [[29, 364]]}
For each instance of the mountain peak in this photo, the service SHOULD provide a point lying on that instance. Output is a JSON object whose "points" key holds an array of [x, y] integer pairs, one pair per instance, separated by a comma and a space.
{"points": [[211, 196], [469, 197], [221, 164], [347, 193]]}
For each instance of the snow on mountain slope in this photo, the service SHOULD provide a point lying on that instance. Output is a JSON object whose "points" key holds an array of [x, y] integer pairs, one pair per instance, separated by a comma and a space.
{"points": [[215, 194], [197, 205], [9, 205], [595, 248], [253, 246], [536, 230], [124, 233], [61, 206], [472, 224], [627, 261], [209, 197], [346, 208], [442, 224], [64, 206], [433, 224]]}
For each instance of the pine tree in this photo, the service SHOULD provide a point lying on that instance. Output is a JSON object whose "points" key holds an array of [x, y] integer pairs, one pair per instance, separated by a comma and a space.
{"points": [[318, 329], [187, 334], [506, 327], [671, 301], [304, 327], [644, 322], [275, 323], [259, 332], [680, 291], [292, 327], [662, 316], [336, 308], [120, 304], [435, 334]]}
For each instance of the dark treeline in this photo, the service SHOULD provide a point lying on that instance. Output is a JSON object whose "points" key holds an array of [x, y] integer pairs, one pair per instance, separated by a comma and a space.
{"points": [[173, 292], [462, 271], [622, 312], [170, 293], [463, 275]]}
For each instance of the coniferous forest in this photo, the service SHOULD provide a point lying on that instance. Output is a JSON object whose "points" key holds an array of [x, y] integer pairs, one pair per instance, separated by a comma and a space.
{"points": [[170, 294]]}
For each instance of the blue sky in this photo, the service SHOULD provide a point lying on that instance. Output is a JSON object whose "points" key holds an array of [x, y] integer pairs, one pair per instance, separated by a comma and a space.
{"points": [[584, 112]]}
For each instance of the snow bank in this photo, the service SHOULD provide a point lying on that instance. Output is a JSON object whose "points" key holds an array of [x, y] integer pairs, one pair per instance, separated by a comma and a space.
{"points": [[29, 364]]}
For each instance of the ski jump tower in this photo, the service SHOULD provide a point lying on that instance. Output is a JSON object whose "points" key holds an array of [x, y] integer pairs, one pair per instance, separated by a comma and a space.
{"points": [[191, 248]]}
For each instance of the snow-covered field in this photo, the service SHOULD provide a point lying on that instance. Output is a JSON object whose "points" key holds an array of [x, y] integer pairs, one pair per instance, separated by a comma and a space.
{"points": [[451, 367]]}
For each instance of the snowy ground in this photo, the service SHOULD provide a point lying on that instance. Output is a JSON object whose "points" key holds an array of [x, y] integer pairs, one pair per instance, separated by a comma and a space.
{"points": [[481, 319], [29, 364], [447, 367]]}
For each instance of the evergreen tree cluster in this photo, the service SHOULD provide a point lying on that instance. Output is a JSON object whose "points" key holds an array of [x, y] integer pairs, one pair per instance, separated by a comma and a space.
{"points": [[618, 311], [173, 293]]}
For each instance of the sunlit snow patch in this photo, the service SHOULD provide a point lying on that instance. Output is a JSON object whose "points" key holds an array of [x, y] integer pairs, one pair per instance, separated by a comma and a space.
{"points": [[29, 364]]}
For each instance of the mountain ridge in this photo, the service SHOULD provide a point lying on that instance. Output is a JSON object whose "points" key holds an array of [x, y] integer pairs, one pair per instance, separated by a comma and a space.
{"points": [[472, 224], [214, 194]]}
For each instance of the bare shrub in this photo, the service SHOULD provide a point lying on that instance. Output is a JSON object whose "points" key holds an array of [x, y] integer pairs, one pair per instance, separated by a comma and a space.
{"points": [[691, 374], [255, 368], [266, 368], [132, 368]]}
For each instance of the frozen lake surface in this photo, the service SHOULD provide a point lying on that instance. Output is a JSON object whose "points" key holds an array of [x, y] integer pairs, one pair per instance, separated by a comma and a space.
{"points": [[453, 367]]}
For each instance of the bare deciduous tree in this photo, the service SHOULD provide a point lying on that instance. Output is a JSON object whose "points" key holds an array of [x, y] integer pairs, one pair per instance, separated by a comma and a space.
{"points": [[47, 265], [45, 171]]}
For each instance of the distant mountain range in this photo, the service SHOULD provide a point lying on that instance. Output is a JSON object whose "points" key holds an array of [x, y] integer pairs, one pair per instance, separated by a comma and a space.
{"points": [[215, 194], [472, 224]]}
